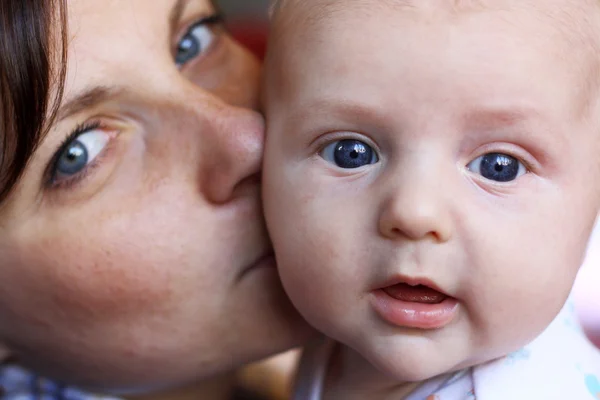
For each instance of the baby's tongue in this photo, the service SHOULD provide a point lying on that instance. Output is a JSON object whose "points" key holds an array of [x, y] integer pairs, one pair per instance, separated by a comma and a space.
{"points": [[415, 294]]}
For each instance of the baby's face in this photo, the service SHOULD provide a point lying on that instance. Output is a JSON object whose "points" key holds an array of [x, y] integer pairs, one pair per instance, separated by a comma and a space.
{"points": [[431, 173]]}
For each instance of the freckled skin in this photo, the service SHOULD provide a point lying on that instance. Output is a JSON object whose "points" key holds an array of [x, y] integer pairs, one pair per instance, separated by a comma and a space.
{"points": [[133, 279]]}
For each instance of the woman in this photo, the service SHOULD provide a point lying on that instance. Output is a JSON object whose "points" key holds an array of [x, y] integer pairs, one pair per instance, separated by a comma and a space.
{"points": [[134, 257]]}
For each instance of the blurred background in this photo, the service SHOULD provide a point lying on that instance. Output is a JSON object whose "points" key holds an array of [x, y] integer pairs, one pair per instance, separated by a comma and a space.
{"points": [[247, 21], [244, 7]]}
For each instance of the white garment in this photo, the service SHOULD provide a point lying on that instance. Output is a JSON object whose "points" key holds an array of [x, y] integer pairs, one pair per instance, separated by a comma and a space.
{"points": [[560, 364]]}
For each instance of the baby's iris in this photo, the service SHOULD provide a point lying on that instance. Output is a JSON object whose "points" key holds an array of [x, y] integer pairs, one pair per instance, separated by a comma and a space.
{"points": [[349, 153], [497, 167]]}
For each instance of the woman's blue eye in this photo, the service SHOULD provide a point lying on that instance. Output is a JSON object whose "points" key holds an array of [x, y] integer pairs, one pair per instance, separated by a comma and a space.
{"points": [[198, 39], [497, 167], [350, 153], [79, 153]]}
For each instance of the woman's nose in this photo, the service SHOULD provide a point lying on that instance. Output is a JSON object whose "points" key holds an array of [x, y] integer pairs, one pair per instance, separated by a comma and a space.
{"points": [[414, 209], [233, 161]]}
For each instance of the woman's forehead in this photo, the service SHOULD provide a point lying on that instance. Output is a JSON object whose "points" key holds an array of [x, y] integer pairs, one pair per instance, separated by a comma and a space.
{"points": [[89, 19], [119, 42], [100, 28]]}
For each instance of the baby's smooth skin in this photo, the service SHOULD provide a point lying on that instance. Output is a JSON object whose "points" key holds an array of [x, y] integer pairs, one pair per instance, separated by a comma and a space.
{"points": [[431, 176]]}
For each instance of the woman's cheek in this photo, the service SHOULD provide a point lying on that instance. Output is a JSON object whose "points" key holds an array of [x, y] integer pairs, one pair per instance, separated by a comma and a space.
{"points": [[71, 280], [232, 74]]}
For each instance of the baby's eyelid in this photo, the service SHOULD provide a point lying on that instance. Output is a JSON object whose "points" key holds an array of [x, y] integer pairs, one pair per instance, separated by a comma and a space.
{"points": [[529, 161], [326, 139]]}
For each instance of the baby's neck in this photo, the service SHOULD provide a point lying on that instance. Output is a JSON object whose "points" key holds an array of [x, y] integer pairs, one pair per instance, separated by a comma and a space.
{"points": [[351, 377], [218, 388]]}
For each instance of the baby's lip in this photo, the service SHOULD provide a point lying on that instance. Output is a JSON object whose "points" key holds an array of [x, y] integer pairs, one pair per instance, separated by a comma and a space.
{"points": [[423, 284], [413, 302], [415, 294]]}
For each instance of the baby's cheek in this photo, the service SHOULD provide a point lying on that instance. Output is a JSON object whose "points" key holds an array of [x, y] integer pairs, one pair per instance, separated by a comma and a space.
{"points": [[298, 259], [313, 269], [526, 288]]}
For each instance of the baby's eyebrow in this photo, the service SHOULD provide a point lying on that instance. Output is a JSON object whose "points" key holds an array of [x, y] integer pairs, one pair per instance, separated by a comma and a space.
{"points": [[334, 109], [492, 117]]}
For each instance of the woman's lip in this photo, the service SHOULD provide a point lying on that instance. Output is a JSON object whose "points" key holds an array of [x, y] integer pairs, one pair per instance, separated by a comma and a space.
{"points": [[265, 261], [412, 314]]}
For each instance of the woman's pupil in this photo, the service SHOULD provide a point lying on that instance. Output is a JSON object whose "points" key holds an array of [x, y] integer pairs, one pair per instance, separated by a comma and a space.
{"points": [[74, 153], [185, 45], [74, 159], [187, 49]]}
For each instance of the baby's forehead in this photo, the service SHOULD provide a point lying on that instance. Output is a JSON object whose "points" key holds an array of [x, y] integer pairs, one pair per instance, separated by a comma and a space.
{"points": [[576, 16], [575, 23], [569, 29]]}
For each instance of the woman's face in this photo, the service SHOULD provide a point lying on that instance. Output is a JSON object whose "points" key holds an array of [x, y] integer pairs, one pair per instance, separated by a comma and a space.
{"points": [[131, 250]]}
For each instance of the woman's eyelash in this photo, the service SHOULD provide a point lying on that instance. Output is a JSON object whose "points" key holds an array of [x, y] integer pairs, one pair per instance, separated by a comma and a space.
{"points": [[187, 41], [78, 131], [213, 19]]}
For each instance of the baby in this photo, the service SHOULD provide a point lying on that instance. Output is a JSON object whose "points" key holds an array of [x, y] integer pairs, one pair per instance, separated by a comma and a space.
{"points": [[432, 176]]}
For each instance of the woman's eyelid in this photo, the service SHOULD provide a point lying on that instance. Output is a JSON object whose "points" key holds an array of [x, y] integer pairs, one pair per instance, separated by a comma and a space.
{"points": [[194, 18], [87, 128], [80, 129], [73, 181], [203, 20]]}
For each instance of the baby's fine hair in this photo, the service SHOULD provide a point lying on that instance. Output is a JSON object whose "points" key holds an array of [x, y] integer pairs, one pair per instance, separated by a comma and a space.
{"points": [[575, 19]]}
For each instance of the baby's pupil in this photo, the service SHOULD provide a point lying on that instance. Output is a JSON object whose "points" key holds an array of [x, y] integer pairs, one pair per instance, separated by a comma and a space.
{"points": [[352, 154], [499, 167]]}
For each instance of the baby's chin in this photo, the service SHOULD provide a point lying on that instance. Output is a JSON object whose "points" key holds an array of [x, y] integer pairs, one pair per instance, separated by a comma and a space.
{"points": [[412, 367], [408, 357], [417, 359]]}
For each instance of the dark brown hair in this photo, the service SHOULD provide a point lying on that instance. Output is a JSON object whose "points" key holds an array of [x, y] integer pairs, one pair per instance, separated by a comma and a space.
{"points": [[32, 60]]}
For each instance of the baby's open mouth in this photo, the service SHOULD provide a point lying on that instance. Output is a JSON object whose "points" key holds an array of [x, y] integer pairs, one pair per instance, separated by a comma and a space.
{"points": [[415, 294], [414, 303]]}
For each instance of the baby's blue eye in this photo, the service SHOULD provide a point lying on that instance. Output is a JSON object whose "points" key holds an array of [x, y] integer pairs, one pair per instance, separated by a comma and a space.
{"points": [[497, 167], [197, 40], [349, 153]]}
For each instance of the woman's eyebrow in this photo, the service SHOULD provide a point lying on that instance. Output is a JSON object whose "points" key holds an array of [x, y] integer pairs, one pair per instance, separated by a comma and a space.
{"points": [[88, 98], [176, 13]]}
